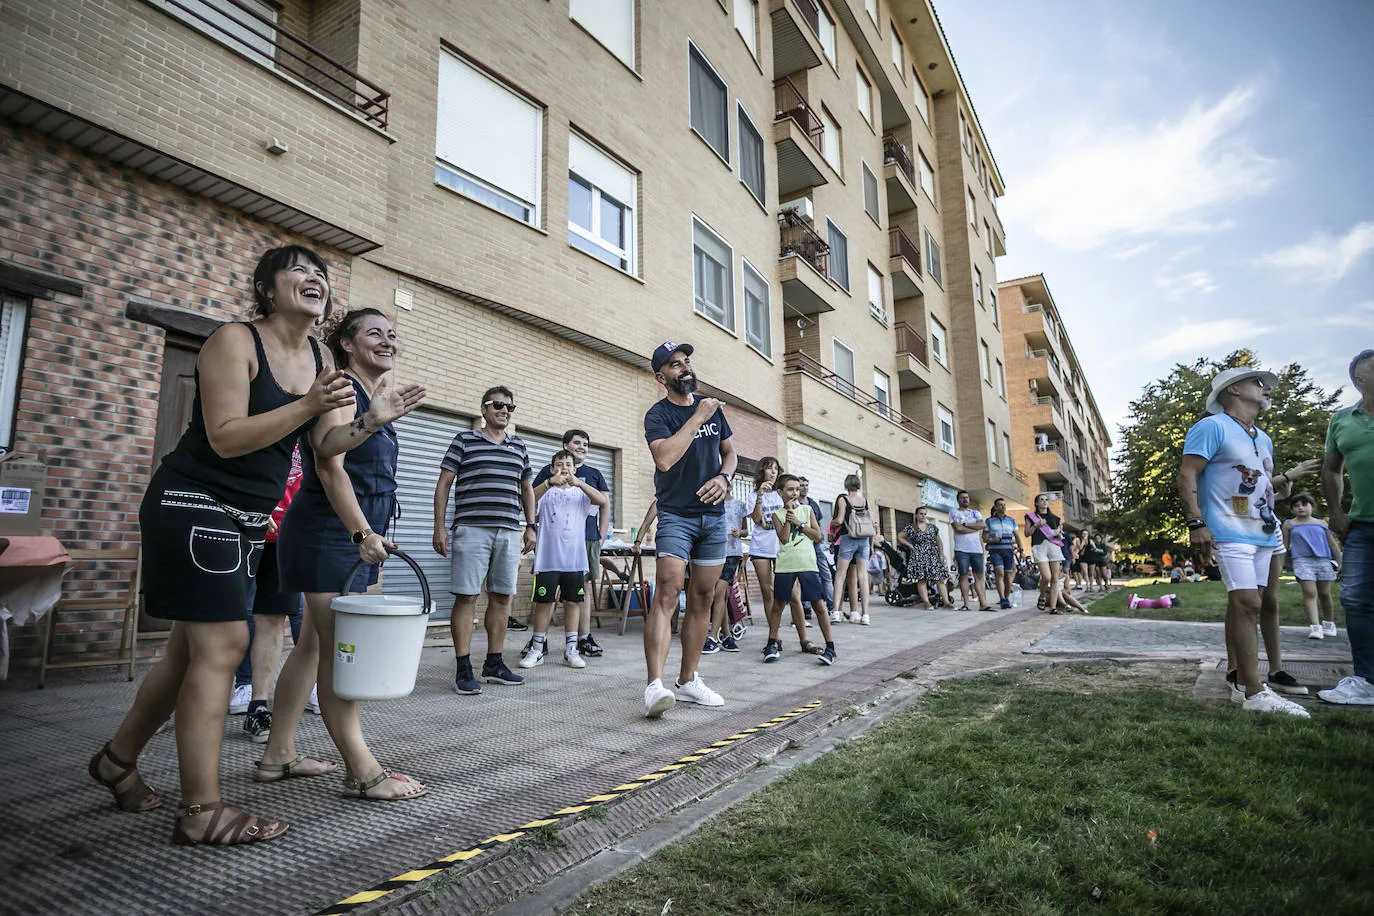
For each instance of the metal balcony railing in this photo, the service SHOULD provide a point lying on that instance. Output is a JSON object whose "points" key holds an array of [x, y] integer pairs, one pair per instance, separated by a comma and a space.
{"points": [[901, 246], [1051, 445], [811, 13], [797, 237], [895, 151], [910, 341], [1036, 354], [795, 361], [790, 103], [289, 54]]}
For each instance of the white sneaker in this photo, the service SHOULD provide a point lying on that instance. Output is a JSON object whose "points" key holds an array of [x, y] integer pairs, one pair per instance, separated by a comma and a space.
{"points": [[1351, 691], [834, 618], [696, 691], [1315, 631], [865, 621], [238, 702], [313, 704], [1269, 701], [1238, 694], [657, 699], [1329, 627], [574, 659], [530, 656]]}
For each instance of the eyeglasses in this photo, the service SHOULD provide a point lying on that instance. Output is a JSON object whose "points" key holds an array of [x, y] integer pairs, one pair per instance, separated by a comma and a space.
{"points": [[500, 405]]}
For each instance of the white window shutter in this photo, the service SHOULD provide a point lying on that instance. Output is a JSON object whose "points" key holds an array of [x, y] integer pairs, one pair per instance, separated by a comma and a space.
{"points": [[611, 21], [601, 170], [487, 130]]}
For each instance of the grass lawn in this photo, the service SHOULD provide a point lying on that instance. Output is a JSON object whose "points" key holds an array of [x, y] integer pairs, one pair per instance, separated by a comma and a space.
{"points": [[1074, 790], [1206, 601]]}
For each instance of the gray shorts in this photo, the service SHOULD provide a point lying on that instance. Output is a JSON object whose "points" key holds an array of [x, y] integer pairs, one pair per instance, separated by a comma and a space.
{"points": [[477, 555]]}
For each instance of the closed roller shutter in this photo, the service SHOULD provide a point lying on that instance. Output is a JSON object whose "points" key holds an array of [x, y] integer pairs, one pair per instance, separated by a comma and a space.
{"points": [[542, 448]]}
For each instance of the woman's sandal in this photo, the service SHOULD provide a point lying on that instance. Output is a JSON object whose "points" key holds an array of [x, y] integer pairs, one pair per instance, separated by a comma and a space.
{"points": [[130, 792], [276, 772], [242, 828], [359, 788]]}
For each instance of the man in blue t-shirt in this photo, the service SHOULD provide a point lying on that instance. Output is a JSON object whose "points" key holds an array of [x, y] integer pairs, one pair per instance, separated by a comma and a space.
{"points": [[1227, 486], [693, 464]]}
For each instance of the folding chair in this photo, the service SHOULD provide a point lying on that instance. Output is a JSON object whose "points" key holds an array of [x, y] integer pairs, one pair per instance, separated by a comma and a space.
{"points": [[127, 602]]}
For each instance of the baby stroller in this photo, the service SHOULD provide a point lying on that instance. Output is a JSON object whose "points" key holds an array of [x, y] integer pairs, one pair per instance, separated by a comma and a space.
{"points": [[903, 591]]}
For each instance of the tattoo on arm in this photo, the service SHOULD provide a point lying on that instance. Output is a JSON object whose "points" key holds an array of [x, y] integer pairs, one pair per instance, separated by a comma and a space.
{"points": [[358, 428]]}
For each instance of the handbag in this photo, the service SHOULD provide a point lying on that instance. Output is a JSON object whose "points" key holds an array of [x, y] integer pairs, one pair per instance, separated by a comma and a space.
{"points": [[857, 522]]}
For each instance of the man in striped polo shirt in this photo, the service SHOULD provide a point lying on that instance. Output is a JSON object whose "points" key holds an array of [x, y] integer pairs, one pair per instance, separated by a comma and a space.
{"points": [[492, 473]]}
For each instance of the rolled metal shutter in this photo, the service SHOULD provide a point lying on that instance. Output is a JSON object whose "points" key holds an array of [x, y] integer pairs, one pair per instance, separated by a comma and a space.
{"points": [[542, 449]]}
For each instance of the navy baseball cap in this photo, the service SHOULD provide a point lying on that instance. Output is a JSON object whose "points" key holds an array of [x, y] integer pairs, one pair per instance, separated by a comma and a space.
{"points": [[666, 350]]}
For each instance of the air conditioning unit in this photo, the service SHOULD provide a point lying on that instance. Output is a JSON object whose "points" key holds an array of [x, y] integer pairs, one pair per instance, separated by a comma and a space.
{"points": [[801, 206]]}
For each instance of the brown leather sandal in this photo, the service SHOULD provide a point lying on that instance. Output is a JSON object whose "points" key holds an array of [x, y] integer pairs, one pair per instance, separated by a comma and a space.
{"points": [[242, 828], [360, 788], [130, 792], [810, 648], [276, 772]]}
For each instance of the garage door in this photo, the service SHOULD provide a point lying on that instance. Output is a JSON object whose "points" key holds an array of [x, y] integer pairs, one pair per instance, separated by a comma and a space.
{"points": [[542, 448]]}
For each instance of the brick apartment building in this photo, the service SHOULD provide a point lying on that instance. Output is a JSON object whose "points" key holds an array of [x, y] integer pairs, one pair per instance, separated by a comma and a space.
{"points": [[539, 193], [1055, 421]]}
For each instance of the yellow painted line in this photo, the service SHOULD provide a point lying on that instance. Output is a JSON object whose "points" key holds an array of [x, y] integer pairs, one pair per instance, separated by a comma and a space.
{"points": [[544, 823], [462, 856], [574, 809], [627, 787], [673, 766], [603, 798], [418, 874], [505, 837], [364, 897], [690, 758], [651, 777]]}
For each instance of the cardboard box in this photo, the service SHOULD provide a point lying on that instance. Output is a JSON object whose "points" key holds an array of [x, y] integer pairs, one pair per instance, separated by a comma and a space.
{"points": [[23, 483]]}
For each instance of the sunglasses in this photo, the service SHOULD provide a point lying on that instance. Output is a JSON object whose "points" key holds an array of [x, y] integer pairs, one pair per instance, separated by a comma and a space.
{"points": [[499, 405]]}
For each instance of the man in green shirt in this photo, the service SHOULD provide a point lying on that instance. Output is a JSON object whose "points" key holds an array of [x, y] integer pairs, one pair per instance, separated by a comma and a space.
{"points": [[1350, 449]]}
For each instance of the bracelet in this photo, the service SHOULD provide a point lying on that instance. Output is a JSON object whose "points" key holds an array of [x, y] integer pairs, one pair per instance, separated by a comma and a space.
{"points": [[1195, 523]]}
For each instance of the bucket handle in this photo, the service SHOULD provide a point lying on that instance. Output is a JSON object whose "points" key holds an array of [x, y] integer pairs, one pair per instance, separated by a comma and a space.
{"points": [[419, 574]]}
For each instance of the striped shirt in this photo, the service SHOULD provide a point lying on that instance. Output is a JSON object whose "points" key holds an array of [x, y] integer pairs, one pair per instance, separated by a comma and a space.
{"points": [[487, 491]]}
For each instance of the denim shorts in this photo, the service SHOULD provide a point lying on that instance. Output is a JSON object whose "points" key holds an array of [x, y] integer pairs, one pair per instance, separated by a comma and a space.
{"points": [[698, 538], [1002, 559], [967, 560], [854, 548], [483, 554]]}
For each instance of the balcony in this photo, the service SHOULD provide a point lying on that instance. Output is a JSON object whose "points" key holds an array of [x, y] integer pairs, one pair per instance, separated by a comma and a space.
{"points": [[1045, 415], [1044, 378], [900, 175], [833, 409], [913, 358], [904, 265], [804, 267], [796, 36], [798, 134]]}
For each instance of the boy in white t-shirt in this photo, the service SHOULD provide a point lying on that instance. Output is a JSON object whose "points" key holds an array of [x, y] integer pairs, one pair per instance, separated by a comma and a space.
{"points": [[560, 557]]}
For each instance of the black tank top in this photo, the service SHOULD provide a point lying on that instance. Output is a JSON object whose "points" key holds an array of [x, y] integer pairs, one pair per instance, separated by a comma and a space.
{"points": [[253, 482]]}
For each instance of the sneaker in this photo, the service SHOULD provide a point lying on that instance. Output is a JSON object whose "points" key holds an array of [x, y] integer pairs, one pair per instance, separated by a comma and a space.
{"points": [[827, 657], [1269, 701], [513, 624], [465, 683], [573, 659], [588, 647], [530, 657], [1315, 631], [1004, 604], [834, 618], [1237, 691], [865, 621], [1351, 691], [728, 644], [657, 699], [500, 674], [258, 725], [313, 704], [772, 650], [711, 647], [1285, 683], [1328, 627], [696, 691], [238, 701]]}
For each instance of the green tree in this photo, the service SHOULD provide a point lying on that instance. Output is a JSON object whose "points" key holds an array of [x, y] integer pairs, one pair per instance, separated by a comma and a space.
{"points": [[1145, 514]]}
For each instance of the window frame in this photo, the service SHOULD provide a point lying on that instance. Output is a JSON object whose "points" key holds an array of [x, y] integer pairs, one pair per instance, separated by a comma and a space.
{"points": [[987, 237], [938, 331], [832, 129], [1001, 379], [973, 211], [835, 346], [925, 168], [992, 307], [729, 281], [871, 7], [867, 176], [634, 29], [880, 310], [977, 284], [12, 359], [750, 41], [985, 360], [693, 52], [919, 87], [1006, 452], [744, 118], [934, 265], [826, 23], [630, 253], [863, 95], [766, 351], [882, 393], [898, 52], [945, 417], [830, 263], [992, 442]]}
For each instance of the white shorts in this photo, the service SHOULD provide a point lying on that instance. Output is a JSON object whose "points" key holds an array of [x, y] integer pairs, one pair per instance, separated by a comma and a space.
{"points": [[1313, 569], [1243, 566], [1045, 552]]}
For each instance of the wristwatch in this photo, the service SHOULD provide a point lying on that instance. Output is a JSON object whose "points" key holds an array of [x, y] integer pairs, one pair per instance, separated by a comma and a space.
{"points": [[361, 535]]}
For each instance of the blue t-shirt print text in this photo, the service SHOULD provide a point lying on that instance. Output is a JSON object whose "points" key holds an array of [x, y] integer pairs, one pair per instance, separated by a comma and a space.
{"points": [[676, 488], [1235, 492]]}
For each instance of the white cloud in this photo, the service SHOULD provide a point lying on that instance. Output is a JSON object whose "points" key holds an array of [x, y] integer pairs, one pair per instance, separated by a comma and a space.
{"points": [[1205, 338], [1118, 182], [1360, 315], [1132, 251], [1323, 259], [1176, 286]]}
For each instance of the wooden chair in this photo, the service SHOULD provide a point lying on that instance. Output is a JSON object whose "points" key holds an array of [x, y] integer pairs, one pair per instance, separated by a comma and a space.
{"points": [[127, 602]]}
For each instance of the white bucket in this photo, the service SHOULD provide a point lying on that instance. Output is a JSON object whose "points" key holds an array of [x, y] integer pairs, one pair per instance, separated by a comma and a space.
{"points": [[377, 642]]}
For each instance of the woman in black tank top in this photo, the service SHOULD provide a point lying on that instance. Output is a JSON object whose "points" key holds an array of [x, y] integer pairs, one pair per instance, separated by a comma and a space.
{"points": [[259, 386]]}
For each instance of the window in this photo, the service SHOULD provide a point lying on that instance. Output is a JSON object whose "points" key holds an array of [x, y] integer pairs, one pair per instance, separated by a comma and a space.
{"points": [[750, 156], [864, 90], [747, 23], [984, 362], [844, 364], [611, 22], [987, 237], [927, 176], [938, 341], [972, 210], [830, 140], [758, 323], [225, 23], [898, 57], [875, 294], [1006, 451], [918, 92], [933, 260], [1001, 380], [872, 7], [489, 141], [601, 205], [827, 35], [946, 419], [963, 130], [713, 277], [870, 192], [992, 307], [13, 323], [978, 286], [992, 442], [710, 108], [839, 255], [882, 392]]}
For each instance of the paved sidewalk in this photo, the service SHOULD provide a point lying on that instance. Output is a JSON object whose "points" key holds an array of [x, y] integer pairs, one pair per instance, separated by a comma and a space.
{"points": [[492, 762]]}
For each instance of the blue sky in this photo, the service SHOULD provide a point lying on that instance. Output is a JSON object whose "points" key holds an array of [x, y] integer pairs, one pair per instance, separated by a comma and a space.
{"points": [[1190, 177]]}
